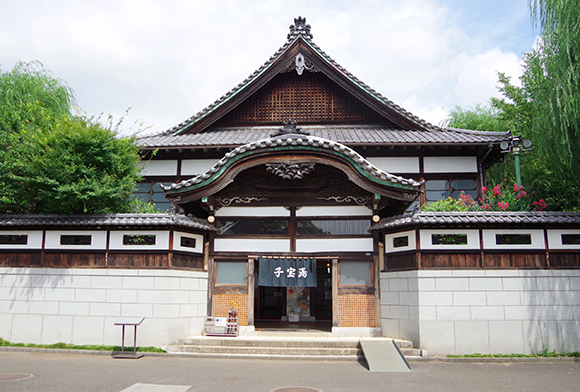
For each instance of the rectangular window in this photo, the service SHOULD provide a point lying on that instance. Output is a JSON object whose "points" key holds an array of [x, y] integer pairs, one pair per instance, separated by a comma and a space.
{"points": [[252, 227], [355, 273], [442, 189], [75, 239], [231, 273], [333, 227], [513, 239], [570, 239], [187, 242], [449, 239], [400, 242], [437, 190], [139, 239], [13, 239]]}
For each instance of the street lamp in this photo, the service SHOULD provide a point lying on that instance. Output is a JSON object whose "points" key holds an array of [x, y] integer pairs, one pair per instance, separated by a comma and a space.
{"points": [[516, 146]]}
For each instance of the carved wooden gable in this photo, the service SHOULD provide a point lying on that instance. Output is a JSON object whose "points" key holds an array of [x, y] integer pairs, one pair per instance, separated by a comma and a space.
{"points": [[310, 98]]}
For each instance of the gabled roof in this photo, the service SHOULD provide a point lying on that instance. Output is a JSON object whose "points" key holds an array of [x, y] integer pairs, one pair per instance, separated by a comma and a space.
{"points": [[300, 43]]}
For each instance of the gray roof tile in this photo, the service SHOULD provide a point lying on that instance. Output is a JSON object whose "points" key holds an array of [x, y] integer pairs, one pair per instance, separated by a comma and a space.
{"points": [[349, 135], [105, 220], [479, 217]]}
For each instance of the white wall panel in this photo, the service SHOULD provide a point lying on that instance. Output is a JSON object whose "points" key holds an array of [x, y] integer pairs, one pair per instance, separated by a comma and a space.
{"points": [[389, 238], [334, 211], [177, 242], [98, 239], [396, 164], [450, 164], [45, 305], [537, 237], [34, 240], [159, 168], [253, 211], [161, 240], [191, 167], [251, 245], [472, 239], [335, 245], [555, 239]]}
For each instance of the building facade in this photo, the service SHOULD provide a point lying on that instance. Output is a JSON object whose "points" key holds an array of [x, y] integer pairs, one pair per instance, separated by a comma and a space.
{"points": [[292, 201]]}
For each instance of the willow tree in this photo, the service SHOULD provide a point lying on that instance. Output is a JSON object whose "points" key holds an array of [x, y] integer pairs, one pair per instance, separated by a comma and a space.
{"points": [[54, 162], [552, 80]]}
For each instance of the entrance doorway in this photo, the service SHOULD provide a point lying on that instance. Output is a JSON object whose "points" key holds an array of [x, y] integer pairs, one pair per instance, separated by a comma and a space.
{"points": [[296, 308]]}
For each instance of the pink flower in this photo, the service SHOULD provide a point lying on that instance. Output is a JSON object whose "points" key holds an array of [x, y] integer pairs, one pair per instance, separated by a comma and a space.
{"points": [[483, 189], [503, 205], [497, 190]]}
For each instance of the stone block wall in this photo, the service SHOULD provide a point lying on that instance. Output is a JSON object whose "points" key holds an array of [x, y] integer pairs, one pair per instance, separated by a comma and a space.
{"points": [[483, 311], [80, 306]]}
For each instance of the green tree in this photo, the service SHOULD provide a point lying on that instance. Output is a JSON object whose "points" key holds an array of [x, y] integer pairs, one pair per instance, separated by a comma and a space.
{"points": [[52, 162], [545, 108], [31, 97], [480, 117]]}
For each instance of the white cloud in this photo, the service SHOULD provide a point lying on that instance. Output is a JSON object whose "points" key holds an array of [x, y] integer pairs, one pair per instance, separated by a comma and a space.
{"points": [[168, 60]]}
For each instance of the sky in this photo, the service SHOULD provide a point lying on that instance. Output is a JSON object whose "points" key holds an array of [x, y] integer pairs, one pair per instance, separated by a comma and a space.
{"points": [[165, 60]]}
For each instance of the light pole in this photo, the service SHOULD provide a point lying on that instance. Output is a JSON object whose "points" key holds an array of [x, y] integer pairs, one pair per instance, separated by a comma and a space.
{"points": [[514, 147]]}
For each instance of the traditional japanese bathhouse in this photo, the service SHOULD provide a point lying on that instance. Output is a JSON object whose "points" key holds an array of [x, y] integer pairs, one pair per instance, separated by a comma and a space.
{"points": [[292, 166]]}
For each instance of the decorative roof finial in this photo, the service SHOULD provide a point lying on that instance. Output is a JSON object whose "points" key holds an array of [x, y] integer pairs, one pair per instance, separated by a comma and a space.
{"points": [[299, 28], [289, 128]]}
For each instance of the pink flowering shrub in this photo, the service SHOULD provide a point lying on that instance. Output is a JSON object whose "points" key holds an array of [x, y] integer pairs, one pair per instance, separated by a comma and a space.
{"points": [[500, 198]]}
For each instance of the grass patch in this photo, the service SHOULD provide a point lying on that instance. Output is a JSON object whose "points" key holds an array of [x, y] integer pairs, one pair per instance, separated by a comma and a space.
{"points": [[543, 354], [66, 346]]}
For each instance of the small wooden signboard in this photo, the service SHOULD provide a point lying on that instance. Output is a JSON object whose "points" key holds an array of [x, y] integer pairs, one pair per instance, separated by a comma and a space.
{"points": [[135, 321]]}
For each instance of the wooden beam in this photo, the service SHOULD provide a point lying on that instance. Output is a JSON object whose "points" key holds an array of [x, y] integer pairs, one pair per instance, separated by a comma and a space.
{"points": [[335, 292], [251, 282]]}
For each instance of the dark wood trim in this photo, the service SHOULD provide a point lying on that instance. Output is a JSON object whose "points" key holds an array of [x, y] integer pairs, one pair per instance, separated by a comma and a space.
{"points": [[335, 307], [251, 285]]}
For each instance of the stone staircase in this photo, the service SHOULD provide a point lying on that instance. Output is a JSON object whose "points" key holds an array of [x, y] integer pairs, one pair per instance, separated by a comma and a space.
{"points": [[282, 346]]}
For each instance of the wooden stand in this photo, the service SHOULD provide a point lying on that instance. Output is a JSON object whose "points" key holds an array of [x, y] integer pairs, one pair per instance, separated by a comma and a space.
{"points": [[135, 321]]}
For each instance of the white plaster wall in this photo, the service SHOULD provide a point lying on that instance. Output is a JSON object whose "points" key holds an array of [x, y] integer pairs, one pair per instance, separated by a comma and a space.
{"points": [[159, 168], [450, 164], [334, 244], [310, 211], [80, 306], [191, 167], [251, 245], [253, 212], [483, 311], [396, 164]]}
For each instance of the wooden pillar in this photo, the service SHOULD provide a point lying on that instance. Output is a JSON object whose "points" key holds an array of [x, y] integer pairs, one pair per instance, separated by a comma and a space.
{"points": [[251, 282], [210, 284], [377, 286], [335, 292]]}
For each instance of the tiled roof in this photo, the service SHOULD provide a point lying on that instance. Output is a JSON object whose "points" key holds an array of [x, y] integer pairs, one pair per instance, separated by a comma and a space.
{"points": [[298, 33], [298, 141], [479, 217], [349, 135], [119, 220]]}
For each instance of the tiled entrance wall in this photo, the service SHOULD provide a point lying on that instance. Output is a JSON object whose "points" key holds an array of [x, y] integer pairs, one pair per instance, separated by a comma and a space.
{"points": [[221, 304], [81, 305], [356, 310], [483, 311]]}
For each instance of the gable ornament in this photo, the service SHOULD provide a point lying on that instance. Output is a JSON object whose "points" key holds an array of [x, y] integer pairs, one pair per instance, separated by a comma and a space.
{"points": [[289, 128]]}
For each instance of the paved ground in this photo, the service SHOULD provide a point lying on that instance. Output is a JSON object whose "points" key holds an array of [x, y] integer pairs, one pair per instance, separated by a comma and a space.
{"points": [[73, 372]]}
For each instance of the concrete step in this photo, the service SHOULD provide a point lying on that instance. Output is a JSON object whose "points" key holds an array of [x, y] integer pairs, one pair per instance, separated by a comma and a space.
{"points": [[301, 347]]}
